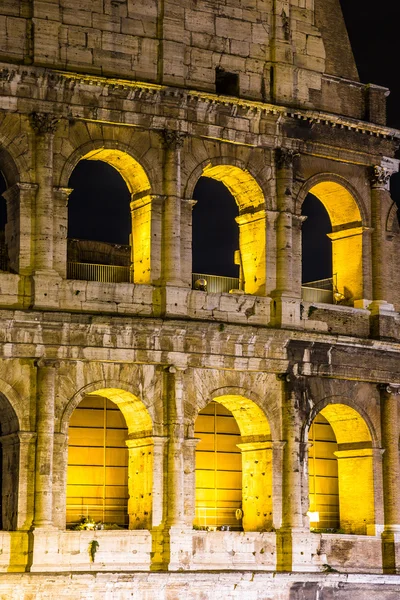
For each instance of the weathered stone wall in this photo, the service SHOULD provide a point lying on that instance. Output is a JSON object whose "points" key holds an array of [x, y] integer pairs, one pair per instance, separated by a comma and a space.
{"points": [[279, 51], [140, 85]]}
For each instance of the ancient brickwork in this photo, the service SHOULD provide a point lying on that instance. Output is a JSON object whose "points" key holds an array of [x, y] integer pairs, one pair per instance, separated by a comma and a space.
{"points": [[263, 97]]}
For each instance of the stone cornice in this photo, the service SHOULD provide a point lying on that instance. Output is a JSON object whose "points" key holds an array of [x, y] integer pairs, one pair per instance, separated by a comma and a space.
{"points": [[148, 92]]}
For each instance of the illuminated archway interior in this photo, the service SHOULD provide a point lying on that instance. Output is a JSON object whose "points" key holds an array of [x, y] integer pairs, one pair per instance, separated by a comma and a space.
{"points": [[215, 233], [233, 466], [347, 239], [323, 476], [110, 461], [108, 224], [97, 482], [249, 199], [341, 472]]}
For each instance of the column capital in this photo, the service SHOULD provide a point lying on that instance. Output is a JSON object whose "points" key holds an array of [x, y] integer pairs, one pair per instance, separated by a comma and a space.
{"points": [[43, 123], [172, 140], [379, 177], [49, 363], [393, 389], [284, 158]]}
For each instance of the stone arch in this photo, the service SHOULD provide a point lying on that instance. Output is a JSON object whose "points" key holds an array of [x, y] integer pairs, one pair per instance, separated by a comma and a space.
{"points": [[256, 456], [9, 167], [349, 404], [134, 170], [132, 407], [355, 472], [392, 224], [349, 219], [119, 156], [15, 171], [246, 408], [140, 443], [249, 197]]}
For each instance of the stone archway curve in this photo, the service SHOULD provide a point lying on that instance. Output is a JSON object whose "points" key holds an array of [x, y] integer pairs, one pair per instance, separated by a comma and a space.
{"points": [[235, 175], [11, 403], [347, 402], [135, 412], [132, 169], [355, 210], [247, 409]]}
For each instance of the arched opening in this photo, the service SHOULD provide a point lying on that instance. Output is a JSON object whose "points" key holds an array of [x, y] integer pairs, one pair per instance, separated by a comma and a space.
{"points": [[110, 462], [233, 466], [341, 265], [316, 252], [97, 481], [341, 472], [215, 237], [4, 258], [323, 476], [108, 227], [229, 230], [10, 466]]}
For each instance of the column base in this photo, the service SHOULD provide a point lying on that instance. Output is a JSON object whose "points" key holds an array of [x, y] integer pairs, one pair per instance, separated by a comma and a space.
{"points": [[381, 307], [172, 548], [297, 550], [384, 320], [391, 550], [46, 289], [285, 310]]}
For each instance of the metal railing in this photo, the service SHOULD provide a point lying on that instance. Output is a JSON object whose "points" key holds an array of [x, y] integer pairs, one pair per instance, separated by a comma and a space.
{"points": [[217, 284], [102, 273], [320, 290]]}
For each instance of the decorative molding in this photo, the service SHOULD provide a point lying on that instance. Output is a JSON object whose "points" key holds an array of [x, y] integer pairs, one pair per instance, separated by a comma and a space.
{"points": [[172, 140], [390, 388], [47, 363], [284, 158], [44, 122], [379, 176]]}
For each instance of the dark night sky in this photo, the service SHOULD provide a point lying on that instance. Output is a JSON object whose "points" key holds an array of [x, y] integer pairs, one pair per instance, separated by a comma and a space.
{"points": [[373, 35]]}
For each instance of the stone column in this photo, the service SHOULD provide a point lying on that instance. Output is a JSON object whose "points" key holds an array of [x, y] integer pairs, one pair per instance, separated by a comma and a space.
{"points": [[391, 477], [140, 482], [284, 187], [391, 464], [271, 250], [27, 440], [175, 509], [189, 459], [348, 248], [44, 126], [297, 223], [186, 240], [45, 382], [60, 222], [17, 488], [19, 228], [257, 485], [286, 307], [294, 544], [252, 235], [380, 205], [292, 511], [60, 464], [356, 489], [173, 142], [146, 244], [277, 471]]}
